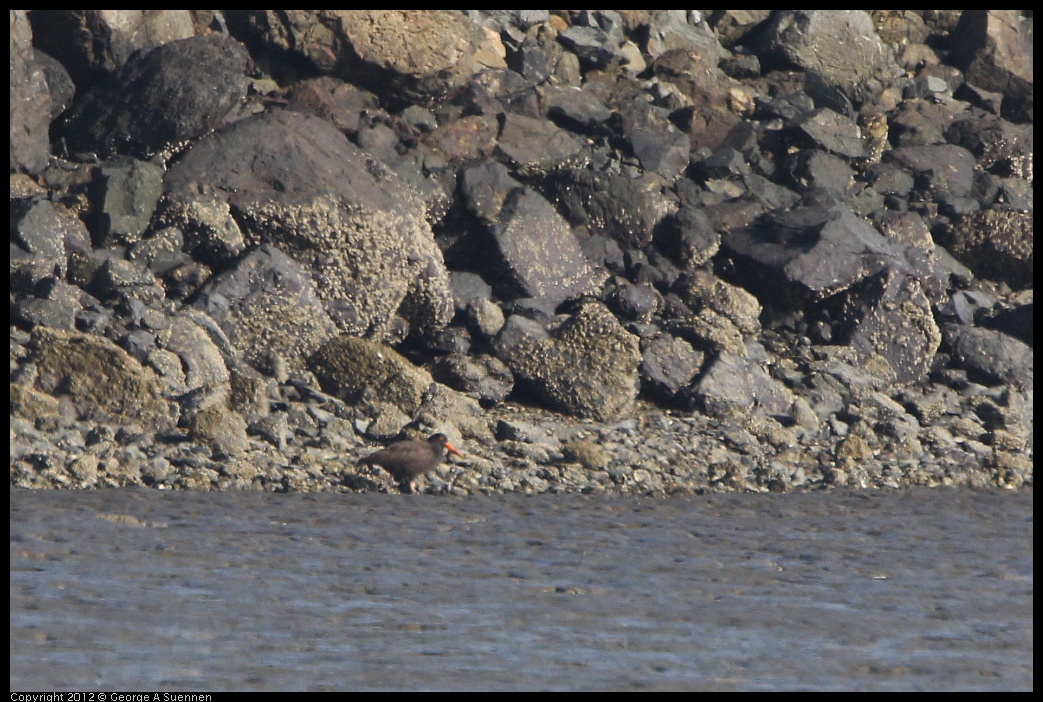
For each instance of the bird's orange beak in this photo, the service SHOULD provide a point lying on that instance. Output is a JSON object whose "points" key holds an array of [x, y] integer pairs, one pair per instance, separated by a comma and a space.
{"points": [[452, 449]]}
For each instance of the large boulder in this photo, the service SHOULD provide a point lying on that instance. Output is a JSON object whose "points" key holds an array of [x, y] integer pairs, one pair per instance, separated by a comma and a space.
{"points": [[402, 55], [841, 46], [295, 181], [870, 291], [357, 370], [102, 380], [587, 366], [156, 101], [531, 249], [30, 99], [996, 54], [995, 244], [268, 304]]}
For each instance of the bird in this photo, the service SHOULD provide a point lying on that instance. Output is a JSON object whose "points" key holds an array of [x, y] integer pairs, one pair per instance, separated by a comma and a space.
{"points": [[408, 460]]}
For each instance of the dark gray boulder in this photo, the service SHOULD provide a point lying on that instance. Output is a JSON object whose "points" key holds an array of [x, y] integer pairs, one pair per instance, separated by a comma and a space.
{"points": [[293, 180], [156, 101], [268, 303]]}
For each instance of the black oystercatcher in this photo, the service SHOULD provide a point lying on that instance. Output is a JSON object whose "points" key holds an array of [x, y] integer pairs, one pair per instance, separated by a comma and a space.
{"points": [[408, 460]]}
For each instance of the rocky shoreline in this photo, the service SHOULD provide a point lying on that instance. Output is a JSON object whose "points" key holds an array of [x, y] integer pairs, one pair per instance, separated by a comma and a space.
{"points": [[604, 252]]}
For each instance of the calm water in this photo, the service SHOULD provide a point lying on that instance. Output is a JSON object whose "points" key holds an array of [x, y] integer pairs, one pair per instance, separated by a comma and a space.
{"points": [[144, 590]]}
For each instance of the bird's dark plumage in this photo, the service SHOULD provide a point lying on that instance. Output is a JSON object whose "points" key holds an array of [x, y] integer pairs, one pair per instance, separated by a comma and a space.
{"points": [[408, 460]]}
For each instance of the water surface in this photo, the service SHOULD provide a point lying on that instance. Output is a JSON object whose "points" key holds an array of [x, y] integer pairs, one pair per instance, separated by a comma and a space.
{"points": [[134, 589]]}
